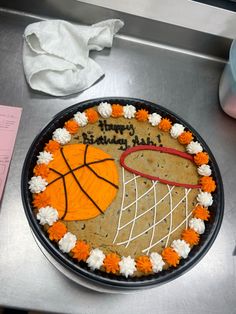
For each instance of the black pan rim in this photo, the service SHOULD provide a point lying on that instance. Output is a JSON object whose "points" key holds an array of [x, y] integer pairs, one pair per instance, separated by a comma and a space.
{"points": [[98, 276]]}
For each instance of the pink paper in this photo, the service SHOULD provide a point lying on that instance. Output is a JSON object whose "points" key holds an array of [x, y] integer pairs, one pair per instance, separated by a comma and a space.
{"points": [[9, 123]]}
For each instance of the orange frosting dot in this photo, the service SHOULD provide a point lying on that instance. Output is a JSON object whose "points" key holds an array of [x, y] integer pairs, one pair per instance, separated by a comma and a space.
{"points": [[170, 256], [207, 184], [41, 170], [185, 138], [92, 115], [72, 126], [117, 111], [144, 264], [81, 251], [57, 231], [190, 236], [201, 158], [141, 115], [111, 263], [41, 200], [201, 212], [164, 125], [52, 146]]}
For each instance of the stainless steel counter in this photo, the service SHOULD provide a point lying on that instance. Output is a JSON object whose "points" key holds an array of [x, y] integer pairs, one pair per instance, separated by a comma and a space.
{"points": [[182, 81]]}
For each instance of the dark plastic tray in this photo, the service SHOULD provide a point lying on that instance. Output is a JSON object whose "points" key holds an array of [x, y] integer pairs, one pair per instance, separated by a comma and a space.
{"points": [[81, 269]]}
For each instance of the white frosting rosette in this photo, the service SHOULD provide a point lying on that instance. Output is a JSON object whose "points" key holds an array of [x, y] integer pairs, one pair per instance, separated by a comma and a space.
{"points": [[205, 199], [44, 158], [154, 119], [105, 109], [181, 247], [37, 184], [95, 259], [176, 130], [62, 136], [127, 266], [47, 215], [197, 225], [67, 243], [81, 118], [129, 111], [157, 262]]}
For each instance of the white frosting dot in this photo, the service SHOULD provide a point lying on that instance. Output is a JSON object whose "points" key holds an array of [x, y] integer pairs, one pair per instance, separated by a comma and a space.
{"points": [[204, 170], [176, 130], [157, 262], [205, 199], [194, 147], [67, 243], [81, 118], [105, 109], [47, 215], [154, 119], [95, 259], [129, 111], [61, 135], [44, 158], [127, 266], [181, 247], [197, 225], [37, 184]]}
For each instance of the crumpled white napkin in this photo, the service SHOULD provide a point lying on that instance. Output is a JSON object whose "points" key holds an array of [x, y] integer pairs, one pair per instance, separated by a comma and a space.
{"points": [[56, 54]]}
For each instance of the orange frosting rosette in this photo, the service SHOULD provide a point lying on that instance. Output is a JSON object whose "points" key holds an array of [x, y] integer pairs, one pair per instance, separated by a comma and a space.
{"points": [[41, 200], [190, 236], [117, 111], [165, 125], [207, 184], [185, 138], [52, 146], [201, 158], [170, 256], [201, 213], [144, 264], [57, 231], [72, 126], [111, 263], [141, 115], [81, 251], [92, 115], [41, 170]]}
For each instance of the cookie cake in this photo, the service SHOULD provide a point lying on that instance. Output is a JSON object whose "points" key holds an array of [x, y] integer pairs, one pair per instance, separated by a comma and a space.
{"points": [[123, 190]]}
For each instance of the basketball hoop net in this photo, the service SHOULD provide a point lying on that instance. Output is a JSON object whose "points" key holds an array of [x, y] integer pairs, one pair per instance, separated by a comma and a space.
{"points": [[156, 198]]}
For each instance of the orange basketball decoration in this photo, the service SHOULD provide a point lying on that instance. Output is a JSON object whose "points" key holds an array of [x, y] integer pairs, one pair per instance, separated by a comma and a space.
{"points": [[82, 183]]}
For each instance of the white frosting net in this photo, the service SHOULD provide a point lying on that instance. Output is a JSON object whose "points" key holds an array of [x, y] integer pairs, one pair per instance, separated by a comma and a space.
{"points": [[181, 248], [37, 184], [194, 147], [129, 111], [127, 266], [204, 170], [157, 262], [176, 130], [44, 158], [154, 119], [81, 118], [105, 109], [67, 243], [47, 215], [197, 225], [62, 136], [95, 259], [205, 199]]}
